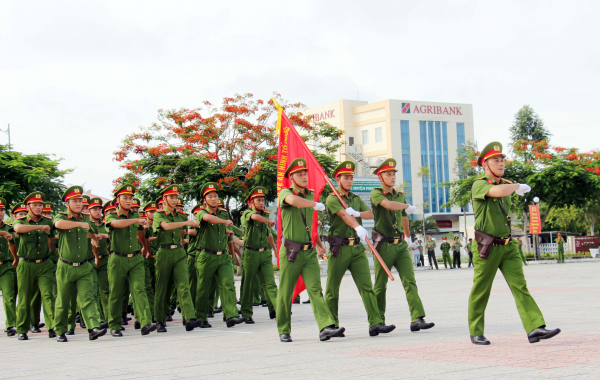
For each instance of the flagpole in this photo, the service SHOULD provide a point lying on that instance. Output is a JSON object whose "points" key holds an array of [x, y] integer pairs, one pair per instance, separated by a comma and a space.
{"points": [[367, 239]]}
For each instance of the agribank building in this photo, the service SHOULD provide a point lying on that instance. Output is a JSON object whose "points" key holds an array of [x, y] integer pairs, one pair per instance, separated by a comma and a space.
{"points": [[416, 134]]}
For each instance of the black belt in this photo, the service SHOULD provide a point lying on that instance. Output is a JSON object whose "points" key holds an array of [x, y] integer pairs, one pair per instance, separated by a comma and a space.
{"points": [[73, 264], [392, 240], [256, 249], [170, 246], [218, 253], [125, 254], [501, 241], [36, 261]]}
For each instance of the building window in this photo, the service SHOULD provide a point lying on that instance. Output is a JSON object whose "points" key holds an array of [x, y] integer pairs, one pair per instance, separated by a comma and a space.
{"points": [[445, 154], [378, 134], [431, 140], [460, 142], [406, 172], [351, 141], [438, 158], [423, 130], [365, 137], [434, 155]]}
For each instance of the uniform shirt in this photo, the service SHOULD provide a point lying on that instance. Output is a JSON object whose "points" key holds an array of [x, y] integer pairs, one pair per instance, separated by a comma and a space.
{"points": [[124, 240], [173, 236], [72, 243], [489, 217], [560, 241], [255, 233], [456, 246], [5, 254], [430, 244], [337, 227], [445, 247], [94, 230], [469, 245], [34, 244], [192, 242], [103, 244], [238, 232], [291, 216], [383, 221], [211, 236]]}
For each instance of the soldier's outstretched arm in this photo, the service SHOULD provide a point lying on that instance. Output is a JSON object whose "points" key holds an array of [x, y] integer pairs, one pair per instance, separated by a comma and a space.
{"points": [[299, 202], [500, 191], [394, 206]]}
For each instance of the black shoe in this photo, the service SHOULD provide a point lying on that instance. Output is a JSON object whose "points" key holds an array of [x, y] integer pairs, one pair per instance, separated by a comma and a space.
{"points": [[148, 329], [161, 327], [183, 322], [104, 325], [420, 324], [62, 338], [77, 318], [11, 331], [128, 318], [224, 319], [541, 333], [179, 309], [218, 310], [272, 314], [82, 324], [255, 304], [192, 324], [238, 302], [205, 325], [70, 332], [211, 314], [381, 328], [116, 333], [51, 334], [23, 337], [481, 340], [235, 321], [169, 319], [34, 329], [122, 328], [265, 304], [296, 300], [124, 322], [172, 311], [285, 338], [97, 333], [307, 301], [137, 325], [40, 325], [249, 320], [331, 331]]}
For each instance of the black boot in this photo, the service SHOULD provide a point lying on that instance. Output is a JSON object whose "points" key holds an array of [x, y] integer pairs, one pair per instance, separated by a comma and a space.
{"points": [[116, 333], [420, 324], [192, 324], [249, 320], [272, 314], [481, 340], [62, 338], [23, 337], [218, 309], [82, 324], [137, 325], [148, 329], [205, 325], [40, 325], [307, 301], [161, 327], [70, 332], [124, 322], [11, 331], [541, 333], [34, 329], [104, 325], [381, 328], [211, 314], [169, 318], [285, 338], [235, 321], [331, 331], [97, 333], [51, 334]]}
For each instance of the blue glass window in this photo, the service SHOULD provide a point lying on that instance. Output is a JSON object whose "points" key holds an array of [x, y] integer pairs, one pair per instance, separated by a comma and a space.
{"points": [[406, 172], [460, 141], [445, 153], [431, 138], [438, 156], [423, 130]]}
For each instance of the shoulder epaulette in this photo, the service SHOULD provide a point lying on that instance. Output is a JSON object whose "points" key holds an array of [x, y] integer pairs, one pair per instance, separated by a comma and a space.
{"points": [[202, 207], [401, 191], [506, 180], [267, 212], [160, 210], [64, 213], [223, 209], [477, 179]]}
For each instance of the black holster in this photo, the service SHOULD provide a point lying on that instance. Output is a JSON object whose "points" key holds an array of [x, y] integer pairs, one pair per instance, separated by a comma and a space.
{"points": [[484, 243], [377, 239], [292, 248], [336, 242]]}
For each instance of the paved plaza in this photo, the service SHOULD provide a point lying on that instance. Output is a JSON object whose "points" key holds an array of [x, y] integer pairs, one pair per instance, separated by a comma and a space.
{"points": [[568, 295]]}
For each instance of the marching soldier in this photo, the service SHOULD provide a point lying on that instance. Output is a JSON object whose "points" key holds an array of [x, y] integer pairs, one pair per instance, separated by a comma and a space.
{"points": [[96, 216], [456, 246], [561, 248], [430, 245], [212, 261], [496, 250], [125, 262], [346, 250], [168, 225], [8, 274], [257, 258], [298, 256], [74, 272], [445, 247], [150, 262], [35, 269], [469, 249], [191, 257], [392, 235]]}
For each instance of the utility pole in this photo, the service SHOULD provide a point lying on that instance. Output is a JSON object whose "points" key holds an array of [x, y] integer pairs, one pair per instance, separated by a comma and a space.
{"points": [[8, 133]]}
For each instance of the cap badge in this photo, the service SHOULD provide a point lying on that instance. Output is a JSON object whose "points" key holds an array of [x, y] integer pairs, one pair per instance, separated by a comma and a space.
{"points": [[391, 164], [260, 191], [128, 188], [76, 190], [300, 163], [496, 147], [175, 189], [348, 166], [211, 187]]}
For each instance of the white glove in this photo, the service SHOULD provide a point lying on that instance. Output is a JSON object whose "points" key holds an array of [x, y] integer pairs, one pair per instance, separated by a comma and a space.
{"points": [[353, 212], [361, 232], [411, 210], [319, 207], [523, 188], [408, 239]]}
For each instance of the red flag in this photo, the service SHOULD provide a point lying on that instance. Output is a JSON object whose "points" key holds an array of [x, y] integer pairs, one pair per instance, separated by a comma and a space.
{"points": [[292, 146]]}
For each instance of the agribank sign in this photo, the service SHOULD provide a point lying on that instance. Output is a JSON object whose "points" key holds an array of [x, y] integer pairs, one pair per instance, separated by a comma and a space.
{"points": [[322, 116], [436, 110]]}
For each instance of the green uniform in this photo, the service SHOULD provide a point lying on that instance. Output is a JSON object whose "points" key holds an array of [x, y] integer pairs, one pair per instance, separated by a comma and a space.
{"points": [[74, 274], [352, 258], [430, 245], [171, 265], [126, 264], [490, 219], [394, 255], [213, 264], [469, 247], [445, 247], [102, 272], [150, 268], [35, 271], [191, 266], [256, 261], [306, 264], [561, 249], [456, 254], [8, 276]]}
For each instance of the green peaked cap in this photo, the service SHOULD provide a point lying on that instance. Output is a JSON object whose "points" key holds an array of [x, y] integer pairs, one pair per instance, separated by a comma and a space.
{"points": [[209, 187], [35, 197], [258, 191], [492, 149], [72, 192], [296, 165], [389, 164], [345, 167]]}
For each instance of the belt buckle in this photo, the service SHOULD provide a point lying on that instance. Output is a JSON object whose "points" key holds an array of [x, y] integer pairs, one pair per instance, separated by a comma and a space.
{"points": [[75, 264], [38, 261], [173, 246], [396, 240], [130, 255], [260, 250], [305, 247], [219, 253], [350, 242], [506, 241]]}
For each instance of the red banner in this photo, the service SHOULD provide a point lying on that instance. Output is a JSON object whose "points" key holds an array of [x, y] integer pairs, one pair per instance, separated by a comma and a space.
{"points": [[535, 220], [584, 243], [292, 146]]}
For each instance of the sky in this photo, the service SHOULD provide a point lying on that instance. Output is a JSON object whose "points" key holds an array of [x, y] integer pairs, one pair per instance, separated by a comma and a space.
{"points": [[77, 76]]}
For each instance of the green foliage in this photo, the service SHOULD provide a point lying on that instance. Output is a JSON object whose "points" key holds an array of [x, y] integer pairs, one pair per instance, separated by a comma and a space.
{"points": [[467, 172], [416, 226], [528, 126], [22, 174]]}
